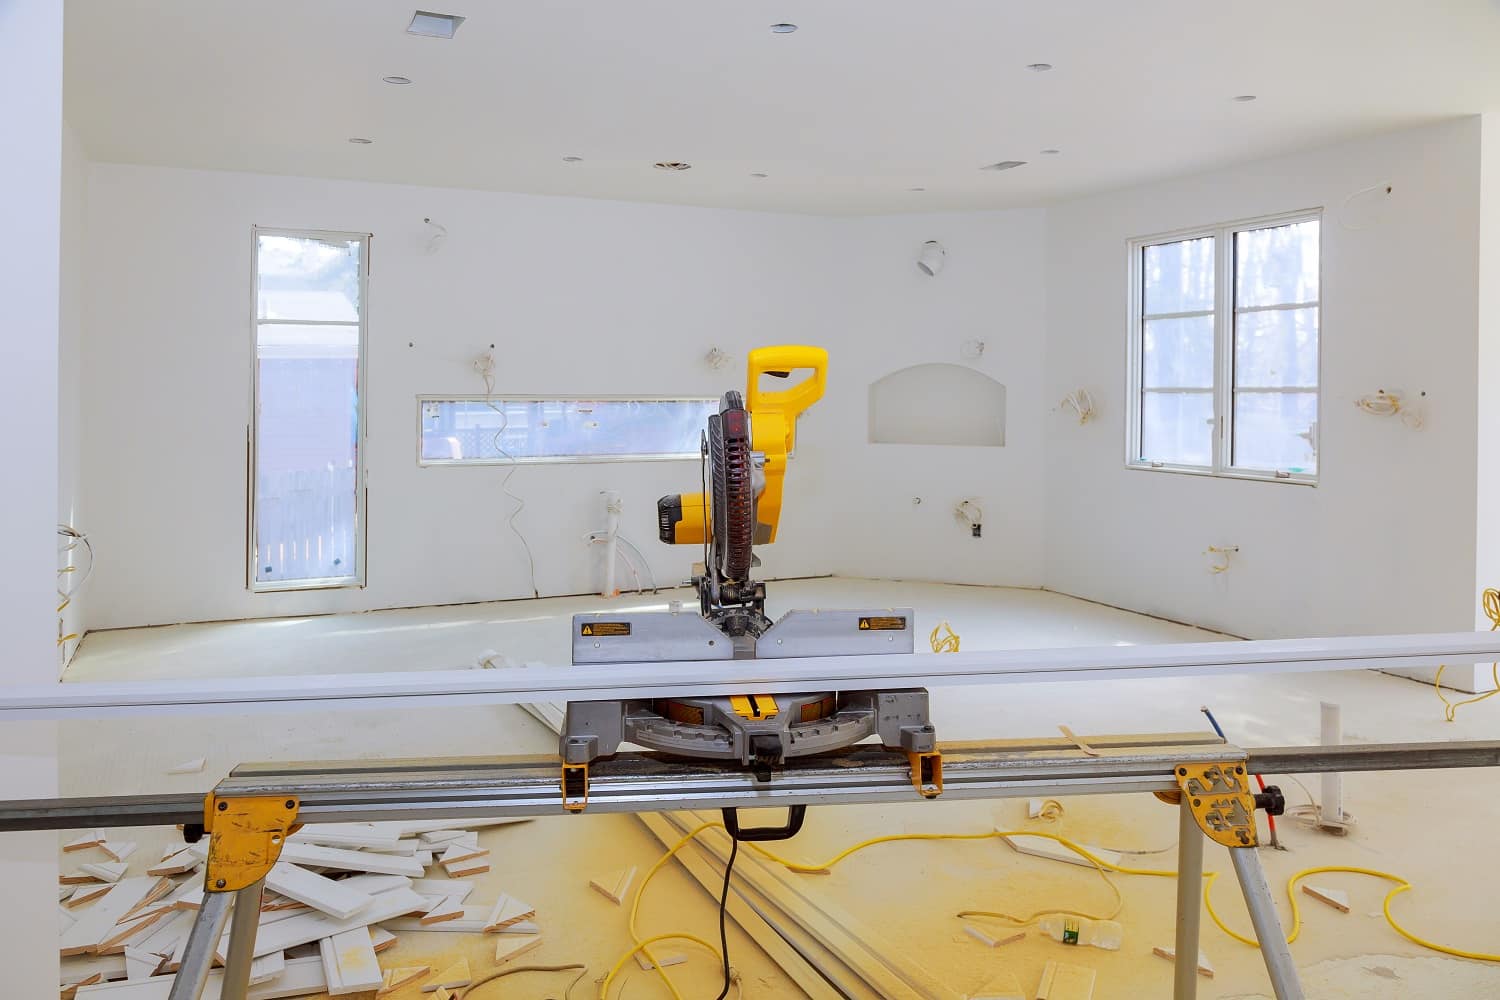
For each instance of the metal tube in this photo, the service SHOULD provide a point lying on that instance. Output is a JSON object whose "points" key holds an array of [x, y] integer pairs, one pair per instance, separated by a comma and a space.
{"points": [[243, 925], [1189, 906], [203, 939], [1273, 946]]}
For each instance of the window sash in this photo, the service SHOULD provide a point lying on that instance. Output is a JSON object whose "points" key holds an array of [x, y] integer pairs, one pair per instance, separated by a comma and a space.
{"points": [[1226, 315], [252, 431]]}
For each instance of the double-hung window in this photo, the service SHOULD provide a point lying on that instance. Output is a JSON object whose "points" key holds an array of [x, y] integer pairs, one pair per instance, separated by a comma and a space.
{"points": [[1224, 350], [306, 449]]}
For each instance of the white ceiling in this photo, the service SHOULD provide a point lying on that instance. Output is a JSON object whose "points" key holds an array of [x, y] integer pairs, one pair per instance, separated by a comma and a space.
{"points": [[868, 99]]}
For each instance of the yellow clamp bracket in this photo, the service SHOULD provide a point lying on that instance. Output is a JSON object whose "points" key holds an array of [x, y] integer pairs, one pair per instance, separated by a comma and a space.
{"points": [[1221, 801], [248, 834], [575, 787], [755, 707], [927, 773]]}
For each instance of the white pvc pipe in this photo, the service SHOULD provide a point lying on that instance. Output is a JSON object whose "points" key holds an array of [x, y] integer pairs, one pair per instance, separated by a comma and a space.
{"points": [[612, 681], [611, 540]]}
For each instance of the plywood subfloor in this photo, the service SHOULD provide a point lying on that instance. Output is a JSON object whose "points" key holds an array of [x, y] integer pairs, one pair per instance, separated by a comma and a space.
{"points": [[1412, 824]]}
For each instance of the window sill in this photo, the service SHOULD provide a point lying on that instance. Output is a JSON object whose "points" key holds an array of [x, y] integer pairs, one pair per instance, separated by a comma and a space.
{"points": [[328, 583], [1298, 479]]}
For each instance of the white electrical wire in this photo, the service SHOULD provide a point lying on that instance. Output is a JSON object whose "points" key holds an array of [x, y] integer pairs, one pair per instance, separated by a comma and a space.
{"points": [[644, 561], [487, 372], [1081, 403], [602, 538]]}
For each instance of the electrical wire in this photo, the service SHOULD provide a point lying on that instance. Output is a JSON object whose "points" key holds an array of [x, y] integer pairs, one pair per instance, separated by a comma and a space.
{"points": [[943, 638], [583, 970], [734, 850], [1103, 866], [1490, 602], [488, 374], [645, 563], [1402, 885]]}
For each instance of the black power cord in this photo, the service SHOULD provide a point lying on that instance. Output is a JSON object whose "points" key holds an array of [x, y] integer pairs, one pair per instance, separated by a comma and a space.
{"points": [[734, 850]]}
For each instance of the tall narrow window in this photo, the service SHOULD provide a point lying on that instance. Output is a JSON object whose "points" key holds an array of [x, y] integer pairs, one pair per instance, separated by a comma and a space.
{"points": [[1224, 350], [305, 514]]}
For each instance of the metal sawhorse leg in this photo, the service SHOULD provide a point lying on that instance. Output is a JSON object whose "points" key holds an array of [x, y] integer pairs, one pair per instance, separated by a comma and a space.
{"points": [[1215, 802], [248, 834]]}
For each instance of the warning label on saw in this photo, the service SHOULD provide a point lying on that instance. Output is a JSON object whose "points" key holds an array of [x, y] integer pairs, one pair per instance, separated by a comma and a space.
{"points": [[888, 623], [605, 628]]}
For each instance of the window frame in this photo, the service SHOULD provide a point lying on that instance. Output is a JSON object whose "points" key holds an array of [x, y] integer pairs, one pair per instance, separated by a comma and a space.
{"points": [[424, 399], [1224, 315], [358, 578]]}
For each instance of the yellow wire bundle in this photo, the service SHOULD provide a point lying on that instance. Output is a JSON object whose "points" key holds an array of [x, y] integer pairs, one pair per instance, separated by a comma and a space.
{"points": [[1490, 601], [943, 638]]}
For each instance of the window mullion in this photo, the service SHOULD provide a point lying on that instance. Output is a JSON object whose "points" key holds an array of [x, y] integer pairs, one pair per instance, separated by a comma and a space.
{"points": [[1223, 348]]}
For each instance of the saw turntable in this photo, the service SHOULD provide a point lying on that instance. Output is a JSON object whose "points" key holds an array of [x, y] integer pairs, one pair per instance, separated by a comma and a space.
{"points": [[744, 452]]}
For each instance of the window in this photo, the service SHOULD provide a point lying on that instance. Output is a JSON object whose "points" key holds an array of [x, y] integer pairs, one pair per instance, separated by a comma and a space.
{"points": [[1224, 350], [306, 455], [493, 429]]}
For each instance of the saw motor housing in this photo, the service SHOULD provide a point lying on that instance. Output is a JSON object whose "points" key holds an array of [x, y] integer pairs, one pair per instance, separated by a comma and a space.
{"points": [[745, 448]]}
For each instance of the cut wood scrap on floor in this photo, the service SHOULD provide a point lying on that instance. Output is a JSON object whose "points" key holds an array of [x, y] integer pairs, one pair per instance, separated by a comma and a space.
{"points": [[462, 850], [164, 936], [663, 959], [508, 910], [374, 885], [989, 940], [194, 766], [317, 891], [510, 945], [85, 893], [446, 908], [1061, 981], [1336, 898], [119, 850], [92, 838], [132, 932], [474, 920], [471, 866], [397, 978], [442, 887], [417, 828], [303, 928], [455, 977], [351, 835], [1002, 987], [381, 939], [70, 990], [615, 885], [141, 964], [1045, 847], [106, 871], [1205, 968], [98, 921], [159, 892], [349, 962], [317, 856], [303, 977], [440, 838], [177, 863], [267, 967]]}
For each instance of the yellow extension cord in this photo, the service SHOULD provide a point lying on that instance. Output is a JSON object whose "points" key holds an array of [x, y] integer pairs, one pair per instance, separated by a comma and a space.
{"points": [[1102, 866], [1490, 601]]}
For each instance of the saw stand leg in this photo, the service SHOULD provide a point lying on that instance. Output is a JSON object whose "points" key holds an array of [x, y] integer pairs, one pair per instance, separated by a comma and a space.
{"points": [[1214, 801], [248, 834]]}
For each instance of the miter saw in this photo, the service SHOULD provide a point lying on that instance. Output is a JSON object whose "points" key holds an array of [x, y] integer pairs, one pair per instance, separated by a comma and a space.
{"points": [[744, 453]]}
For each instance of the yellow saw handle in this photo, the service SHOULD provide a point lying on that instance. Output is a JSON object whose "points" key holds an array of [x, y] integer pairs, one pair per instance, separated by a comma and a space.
{"points": [[789, 403]]}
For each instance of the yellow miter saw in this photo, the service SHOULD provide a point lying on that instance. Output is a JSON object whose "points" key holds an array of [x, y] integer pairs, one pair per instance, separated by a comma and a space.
{"points": [[744, 454]]}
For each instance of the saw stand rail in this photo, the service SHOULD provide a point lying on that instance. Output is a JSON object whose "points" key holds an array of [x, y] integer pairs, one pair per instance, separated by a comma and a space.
{"points": [[252, 812]]}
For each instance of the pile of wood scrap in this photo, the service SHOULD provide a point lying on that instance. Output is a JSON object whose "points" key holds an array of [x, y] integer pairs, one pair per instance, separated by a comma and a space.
{"points": [[338, 897]]}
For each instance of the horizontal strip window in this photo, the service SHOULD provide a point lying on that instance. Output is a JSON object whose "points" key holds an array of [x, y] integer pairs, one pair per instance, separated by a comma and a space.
{"points": [[489, 430]]}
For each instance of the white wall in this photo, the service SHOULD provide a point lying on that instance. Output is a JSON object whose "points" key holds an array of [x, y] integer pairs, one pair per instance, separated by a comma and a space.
{"points": [[30, 198], [1385, 542], [1487, 372], [70, 384], [578, 296], [889, 316]]}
